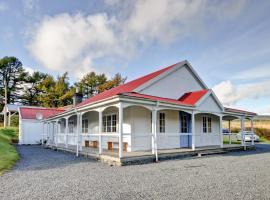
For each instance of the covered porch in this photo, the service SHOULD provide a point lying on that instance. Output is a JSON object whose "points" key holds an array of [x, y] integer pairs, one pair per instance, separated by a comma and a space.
{"points": [[128, 129]]}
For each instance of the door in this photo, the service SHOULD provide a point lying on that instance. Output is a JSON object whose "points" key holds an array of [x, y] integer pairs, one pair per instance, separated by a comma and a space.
{"points": [[185, 128]]}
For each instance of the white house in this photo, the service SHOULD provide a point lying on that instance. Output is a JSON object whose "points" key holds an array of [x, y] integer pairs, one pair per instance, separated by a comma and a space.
{"points": [[30, 124], [167, 109]]}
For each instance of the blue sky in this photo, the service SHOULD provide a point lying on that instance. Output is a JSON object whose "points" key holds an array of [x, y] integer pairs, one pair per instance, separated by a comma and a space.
{"points": [[227, 42]]}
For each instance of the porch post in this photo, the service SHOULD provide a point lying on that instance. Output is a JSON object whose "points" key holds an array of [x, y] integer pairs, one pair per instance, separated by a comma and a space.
{"points": [[154, 133], [243, 143], [120, 130], [100, 131], [66, 132], [42, 138], [252, 131], [230, 132], [56, 132], [78, 130], [193, 130], [220, 131]]}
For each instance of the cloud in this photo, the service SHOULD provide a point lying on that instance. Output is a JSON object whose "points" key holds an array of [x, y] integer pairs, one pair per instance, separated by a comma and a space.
{"points": [[75, 43], [258, 72], [3, 6], [229, 94], [72, 42]]}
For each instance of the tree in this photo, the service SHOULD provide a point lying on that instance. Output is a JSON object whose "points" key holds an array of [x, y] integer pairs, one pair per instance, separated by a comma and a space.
{"points": [[90, 82], [56, 93], [31, 89], [115, 81], [12, 76]]}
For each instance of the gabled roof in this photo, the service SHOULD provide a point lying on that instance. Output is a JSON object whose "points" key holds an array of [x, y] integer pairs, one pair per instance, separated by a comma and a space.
{"points": [[125, 88], [31, 112]]}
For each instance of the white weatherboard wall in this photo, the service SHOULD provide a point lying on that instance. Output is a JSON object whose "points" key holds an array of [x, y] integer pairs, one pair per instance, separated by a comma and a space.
{"points": [[207, 139], [171, 138], [210, 105], [174, 85], [30, 131]]}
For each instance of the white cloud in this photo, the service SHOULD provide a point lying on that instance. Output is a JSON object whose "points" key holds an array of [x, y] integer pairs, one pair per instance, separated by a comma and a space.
{"points": [[3, 6], [229, 94], [75, 42], [258, 72], [67, 42]]}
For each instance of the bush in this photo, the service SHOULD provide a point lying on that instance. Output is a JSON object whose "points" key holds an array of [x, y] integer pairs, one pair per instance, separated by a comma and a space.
{"points": [[263, 132]]}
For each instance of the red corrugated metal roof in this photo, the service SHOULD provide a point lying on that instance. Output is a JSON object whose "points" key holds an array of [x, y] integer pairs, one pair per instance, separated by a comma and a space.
{"points": [[188, 99], [31, 112], [192, 97], [127, 87]]}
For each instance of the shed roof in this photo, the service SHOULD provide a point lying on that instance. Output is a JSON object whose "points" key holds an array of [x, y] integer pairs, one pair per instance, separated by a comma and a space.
{"points": [[31, 112]]}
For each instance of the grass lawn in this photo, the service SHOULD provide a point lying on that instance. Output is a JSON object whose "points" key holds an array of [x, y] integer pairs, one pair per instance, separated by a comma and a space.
{"points": [[8, 153], [226, 141]]}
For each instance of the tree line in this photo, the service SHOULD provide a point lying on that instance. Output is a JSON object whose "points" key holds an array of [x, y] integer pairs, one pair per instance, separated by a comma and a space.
{"points": [[43, 89]]}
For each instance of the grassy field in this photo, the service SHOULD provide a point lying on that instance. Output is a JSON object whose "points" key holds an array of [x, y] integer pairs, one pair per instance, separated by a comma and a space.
{"points": [[261, 128], [8, 153]]}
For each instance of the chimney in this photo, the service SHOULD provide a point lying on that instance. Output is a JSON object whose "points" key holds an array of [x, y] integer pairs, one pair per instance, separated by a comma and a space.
{"points": [[78, 96]]}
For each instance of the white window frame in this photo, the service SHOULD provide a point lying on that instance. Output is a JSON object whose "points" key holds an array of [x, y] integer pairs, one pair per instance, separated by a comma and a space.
{"points": [[109, 126], [85, 125], [71, 126], [207, 124], [162, 122]]}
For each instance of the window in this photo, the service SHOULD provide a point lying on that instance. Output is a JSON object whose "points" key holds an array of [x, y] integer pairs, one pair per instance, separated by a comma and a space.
{"points": [[85, 125], [71, 126], [109, 123], [184, 124], [162, 122], [207, 124]]}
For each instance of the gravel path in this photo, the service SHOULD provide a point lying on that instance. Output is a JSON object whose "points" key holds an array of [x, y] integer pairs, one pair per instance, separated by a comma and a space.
{"points": [[46, 174]]}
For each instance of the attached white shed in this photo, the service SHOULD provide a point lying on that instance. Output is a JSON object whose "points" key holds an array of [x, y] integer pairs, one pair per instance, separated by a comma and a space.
{"points": [[30, 125]]}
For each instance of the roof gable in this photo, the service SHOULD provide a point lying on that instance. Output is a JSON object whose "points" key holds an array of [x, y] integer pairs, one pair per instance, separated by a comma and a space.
{"points": [[124, 88]]}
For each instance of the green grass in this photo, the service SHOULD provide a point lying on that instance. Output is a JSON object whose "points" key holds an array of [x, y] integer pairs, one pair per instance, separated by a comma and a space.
{"points": [[264, 140], [226, 141], [8, 153]]}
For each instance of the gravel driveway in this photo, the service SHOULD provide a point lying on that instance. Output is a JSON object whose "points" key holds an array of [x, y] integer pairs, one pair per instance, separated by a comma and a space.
{"points": [[46, 174]]}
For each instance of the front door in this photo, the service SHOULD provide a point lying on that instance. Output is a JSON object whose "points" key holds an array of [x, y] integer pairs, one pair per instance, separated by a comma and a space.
{"points": [[185, 129]]}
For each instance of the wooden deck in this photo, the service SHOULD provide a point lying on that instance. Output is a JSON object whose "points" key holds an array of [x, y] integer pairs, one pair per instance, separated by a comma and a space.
{"points": [[141, 157]]}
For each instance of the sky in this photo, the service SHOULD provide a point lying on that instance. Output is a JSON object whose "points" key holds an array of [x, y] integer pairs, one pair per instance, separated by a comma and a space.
{"points": [[227, 42]]}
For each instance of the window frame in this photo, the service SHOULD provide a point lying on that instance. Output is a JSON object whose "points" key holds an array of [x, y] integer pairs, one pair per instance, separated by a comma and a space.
{"points": [[85, 126], [71, 125], [109, 123], [162, 122], [207, 124]]}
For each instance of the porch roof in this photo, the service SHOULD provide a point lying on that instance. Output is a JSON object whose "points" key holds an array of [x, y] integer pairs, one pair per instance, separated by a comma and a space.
{"points": [[238, 111]]}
